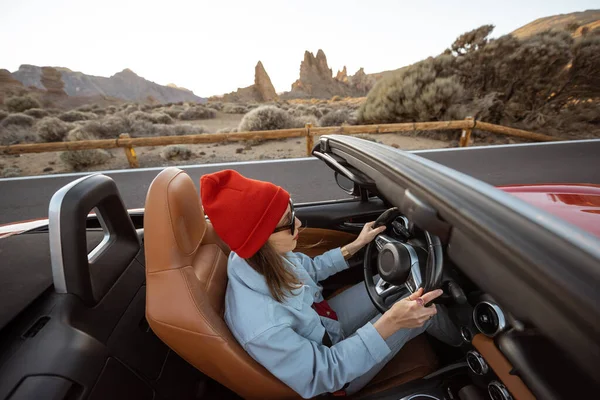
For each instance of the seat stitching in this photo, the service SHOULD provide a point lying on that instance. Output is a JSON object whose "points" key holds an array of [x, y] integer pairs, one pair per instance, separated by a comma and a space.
{"points": [[187, 330], [194, 302]]}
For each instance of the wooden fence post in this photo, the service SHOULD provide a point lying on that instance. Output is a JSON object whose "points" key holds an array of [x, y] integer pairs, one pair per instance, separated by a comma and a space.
{"points": [[130, 152], [465, 136], [309, 139]]}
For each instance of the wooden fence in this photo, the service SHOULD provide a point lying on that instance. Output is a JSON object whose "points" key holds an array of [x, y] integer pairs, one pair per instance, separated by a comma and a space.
{"points": [[309, 132]]}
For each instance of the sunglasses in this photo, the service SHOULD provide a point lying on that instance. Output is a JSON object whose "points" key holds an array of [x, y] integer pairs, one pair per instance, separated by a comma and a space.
{"points": [[292, 225]]}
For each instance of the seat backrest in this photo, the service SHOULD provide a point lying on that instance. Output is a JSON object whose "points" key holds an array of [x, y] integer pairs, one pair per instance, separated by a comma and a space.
{"points": [[186, 278]]}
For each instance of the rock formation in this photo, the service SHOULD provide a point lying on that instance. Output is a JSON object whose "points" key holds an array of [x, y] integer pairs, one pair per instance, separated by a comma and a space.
{"points": [[316, 80], [9, 86], [263, 85], [52, 81], [342, 76], [124, 85], [261, 91]]}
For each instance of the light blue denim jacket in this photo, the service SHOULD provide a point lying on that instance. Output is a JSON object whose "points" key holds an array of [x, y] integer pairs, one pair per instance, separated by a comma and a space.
{"points": [[286, 338]]}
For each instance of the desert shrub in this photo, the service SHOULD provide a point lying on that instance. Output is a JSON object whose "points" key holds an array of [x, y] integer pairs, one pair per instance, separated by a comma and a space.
{"points": [[266, 118], [186, 129], [173, 112], [85, 108], [37, 113], [338, 118], [301, 121], [72, 116], [52, 129], [194, 113], [162, 118], [18, 119], [15, 134], [227, 130], [176, 152], [231, 108], [21, 103], [145, 128], [3, 114], [10, 172], [130, 108], [79, 159], [324, 110], [420, 92], [155, 118], [217, 105], [113, 126]]}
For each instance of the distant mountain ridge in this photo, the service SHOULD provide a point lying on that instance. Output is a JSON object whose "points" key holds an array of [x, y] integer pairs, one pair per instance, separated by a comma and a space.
{"points": [[589, 19], [126, 85]]}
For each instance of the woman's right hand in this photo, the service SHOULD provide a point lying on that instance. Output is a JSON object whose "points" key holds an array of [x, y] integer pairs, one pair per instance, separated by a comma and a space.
{"points": [[409, 312]]}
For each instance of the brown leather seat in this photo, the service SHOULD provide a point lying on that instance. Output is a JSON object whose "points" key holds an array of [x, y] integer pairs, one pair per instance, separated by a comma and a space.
{"points": [[186, 278]]}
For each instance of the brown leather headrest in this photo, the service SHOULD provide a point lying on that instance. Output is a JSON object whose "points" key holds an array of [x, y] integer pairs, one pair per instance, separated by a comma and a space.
{"points": [[174, 218]]}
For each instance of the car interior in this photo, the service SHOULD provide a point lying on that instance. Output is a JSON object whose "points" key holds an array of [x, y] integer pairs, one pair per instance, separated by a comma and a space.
{"points": [[130, 304]]}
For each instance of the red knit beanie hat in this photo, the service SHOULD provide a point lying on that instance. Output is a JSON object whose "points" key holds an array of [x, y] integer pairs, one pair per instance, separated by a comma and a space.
{"points": [[243, 211]]}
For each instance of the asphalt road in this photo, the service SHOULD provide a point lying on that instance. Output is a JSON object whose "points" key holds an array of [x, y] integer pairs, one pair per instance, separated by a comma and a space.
{"points": [[309, 179]]}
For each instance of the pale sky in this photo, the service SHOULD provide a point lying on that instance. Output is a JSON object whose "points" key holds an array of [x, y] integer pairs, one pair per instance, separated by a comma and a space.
{"points": [[211, 47]]}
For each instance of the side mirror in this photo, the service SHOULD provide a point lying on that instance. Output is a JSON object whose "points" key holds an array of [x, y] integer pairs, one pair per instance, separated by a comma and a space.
{"points": [[345, 183]]}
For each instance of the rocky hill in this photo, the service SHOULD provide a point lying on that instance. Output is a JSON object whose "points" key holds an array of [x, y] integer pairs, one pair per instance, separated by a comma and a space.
{"points": [[124, 85], [574, 22], [317, 81], [261, 91]]}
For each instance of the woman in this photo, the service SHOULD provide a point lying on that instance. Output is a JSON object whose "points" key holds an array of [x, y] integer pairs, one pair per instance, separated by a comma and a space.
{"points": [[274, 306]]}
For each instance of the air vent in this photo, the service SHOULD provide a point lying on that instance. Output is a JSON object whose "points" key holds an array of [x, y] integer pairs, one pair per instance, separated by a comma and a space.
{"points": [[498, 391], [489, 318], [476, 363]]}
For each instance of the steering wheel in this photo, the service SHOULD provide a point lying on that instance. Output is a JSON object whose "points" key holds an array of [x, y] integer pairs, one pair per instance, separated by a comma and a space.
{"points": [[398, 264]]}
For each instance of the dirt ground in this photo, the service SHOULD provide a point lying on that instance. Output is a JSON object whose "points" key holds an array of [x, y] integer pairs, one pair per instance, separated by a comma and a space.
{"points": [[50, 163]]}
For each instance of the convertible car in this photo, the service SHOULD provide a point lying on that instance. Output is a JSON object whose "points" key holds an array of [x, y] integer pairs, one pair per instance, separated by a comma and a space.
{"points": [[123, 304]]}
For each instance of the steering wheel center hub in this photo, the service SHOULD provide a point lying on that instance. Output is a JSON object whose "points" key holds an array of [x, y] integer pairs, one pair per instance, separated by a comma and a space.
{"points": [[394, 262]]}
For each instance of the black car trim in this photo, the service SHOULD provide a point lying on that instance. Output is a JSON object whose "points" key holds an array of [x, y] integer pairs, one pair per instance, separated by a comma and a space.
{"points": [[558, 284]]}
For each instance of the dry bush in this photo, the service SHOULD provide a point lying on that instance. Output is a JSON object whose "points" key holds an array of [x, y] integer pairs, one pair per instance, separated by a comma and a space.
{"points": [[145, 128], [10, 172], [266, 118], [176, 152], [85, 108], [52, 129], [37, 113], [173, 112], [420, 92], [130, 108], [195, 113], [72, 116], [21, 103], [18, 119], [80, 159], [227, 130], [15, 134], [155, 118], [217, 105], [3, 114], [338, 118], [231, 108], [301, 121]]}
